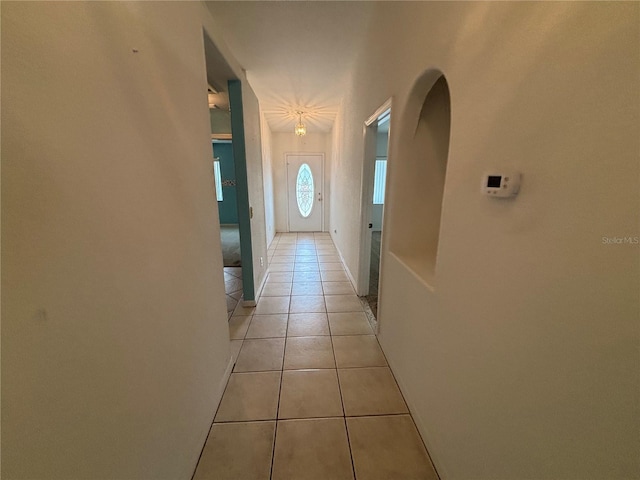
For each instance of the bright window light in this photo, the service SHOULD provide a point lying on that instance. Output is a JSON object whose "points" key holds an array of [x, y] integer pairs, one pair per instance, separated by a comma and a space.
{"points": [[379, 179], [218, 178]]}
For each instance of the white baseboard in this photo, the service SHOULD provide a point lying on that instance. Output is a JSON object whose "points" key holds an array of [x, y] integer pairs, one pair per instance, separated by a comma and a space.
{"points": [[346, 268], [260, 287]]}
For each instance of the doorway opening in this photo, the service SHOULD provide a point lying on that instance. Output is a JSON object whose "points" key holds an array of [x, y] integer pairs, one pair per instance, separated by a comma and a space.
{"points": [[376, 137], [227, 197], [229, 170]]}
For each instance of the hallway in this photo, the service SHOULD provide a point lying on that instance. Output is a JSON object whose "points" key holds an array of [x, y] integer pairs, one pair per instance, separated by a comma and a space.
{"points": [[311, 395]]}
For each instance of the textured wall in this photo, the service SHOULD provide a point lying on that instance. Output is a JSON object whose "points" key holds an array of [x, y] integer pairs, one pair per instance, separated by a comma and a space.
{"points": [[114, 328], [522, 360]]}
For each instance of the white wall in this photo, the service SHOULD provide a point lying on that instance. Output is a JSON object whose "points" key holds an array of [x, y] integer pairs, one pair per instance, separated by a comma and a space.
{"points": [[267, 169], [115, 337], [522, 360], [255, 179], [283, 143]]}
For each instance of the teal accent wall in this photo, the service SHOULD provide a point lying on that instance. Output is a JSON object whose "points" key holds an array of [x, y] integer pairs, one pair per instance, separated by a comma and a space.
{"points": [[228, 208], [242, 187], [220, 120]]}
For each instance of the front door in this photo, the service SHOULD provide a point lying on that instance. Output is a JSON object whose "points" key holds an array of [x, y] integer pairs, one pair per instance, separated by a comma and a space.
{"points": [[305, 184]]}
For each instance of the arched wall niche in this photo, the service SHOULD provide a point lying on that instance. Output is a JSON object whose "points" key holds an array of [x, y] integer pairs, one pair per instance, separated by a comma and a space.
{"points": [[419, 175]]}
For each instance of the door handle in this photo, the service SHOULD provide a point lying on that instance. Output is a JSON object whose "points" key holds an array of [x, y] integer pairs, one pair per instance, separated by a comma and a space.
{"points": [[319, 196], [371, 225]]}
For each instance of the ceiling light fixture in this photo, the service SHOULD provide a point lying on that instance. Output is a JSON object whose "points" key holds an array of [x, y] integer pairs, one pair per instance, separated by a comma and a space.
{"points": [[300, 129], [212, 96]]}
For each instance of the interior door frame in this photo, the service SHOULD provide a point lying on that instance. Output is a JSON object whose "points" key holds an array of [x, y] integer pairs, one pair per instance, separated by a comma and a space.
{"points": [[286, 164], [370, 131]]}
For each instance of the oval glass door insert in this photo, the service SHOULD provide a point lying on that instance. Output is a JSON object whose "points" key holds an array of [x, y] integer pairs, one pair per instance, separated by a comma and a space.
{"points": [[304, 190]]}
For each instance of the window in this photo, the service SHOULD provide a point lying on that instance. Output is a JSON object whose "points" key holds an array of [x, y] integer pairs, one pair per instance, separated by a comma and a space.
{"points": [[218, 178], [304, 190], [379, 178]]}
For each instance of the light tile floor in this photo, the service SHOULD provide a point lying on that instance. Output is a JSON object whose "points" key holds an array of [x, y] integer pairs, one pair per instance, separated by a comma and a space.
{"points": [[311, 395], [232, 287]]}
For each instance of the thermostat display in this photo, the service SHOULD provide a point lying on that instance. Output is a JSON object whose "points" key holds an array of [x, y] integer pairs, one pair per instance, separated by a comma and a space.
{"points": [[504, 184]]}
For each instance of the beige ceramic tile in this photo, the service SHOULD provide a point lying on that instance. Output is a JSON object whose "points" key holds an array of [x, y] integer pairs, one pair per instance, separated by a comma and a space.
{"points": [[328, 258], [260, 355], [370, 391], [273, 289], [348, 323], [233, 284], [280, 277], [310, 393], [268, 326], [334, 275], [238, 327], [243, 311], [308, 352], [306, 267], [231, 303], [387, 447], [307, 288], [313, 449], [307, 252], [250, 396], [235, 347], [306, 277], [334, 266], [306, 259], [237, 450], [281, 267], [269, 305], [283, 259], [306, 248], [358, 351], [342, 303], [235, 271], [307, 324], [338, 288], [305, 304], [237, 295], [326, 250]]}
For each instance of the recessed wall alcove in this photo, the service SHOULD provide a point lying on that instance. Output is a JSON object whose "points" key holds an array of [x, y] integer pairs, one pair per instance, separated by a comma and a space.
{"points": [[419, 176]]}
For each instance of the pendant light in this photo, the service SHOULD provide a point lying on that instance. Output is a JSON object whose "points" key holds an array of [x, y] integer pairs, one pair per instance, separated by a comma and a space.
{"points": [[300, 129]]}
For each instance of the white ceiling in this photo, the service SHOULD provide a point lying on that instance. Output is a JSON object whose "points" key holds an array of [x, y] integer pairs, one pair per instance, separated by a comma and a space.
{"points": [[297, 55]]}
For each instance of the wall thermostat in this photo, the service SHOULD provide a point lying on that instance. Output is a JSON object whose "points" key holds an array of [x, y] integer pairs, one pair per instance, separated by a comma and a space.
{"points": [[501, 184]]}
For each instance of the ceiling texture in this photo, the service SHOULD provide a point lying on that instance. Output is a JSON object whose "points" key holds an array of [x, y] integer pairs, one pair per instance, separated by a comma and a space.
{"points": [[297, 55]]}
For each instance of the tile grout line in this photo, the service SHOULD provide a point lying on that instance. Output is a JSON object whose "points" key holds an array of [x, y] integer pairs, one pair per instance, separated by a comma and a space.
{"points": [[344, 412], [213, 421], [277, 416], [275, 430], [265, 420]]}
